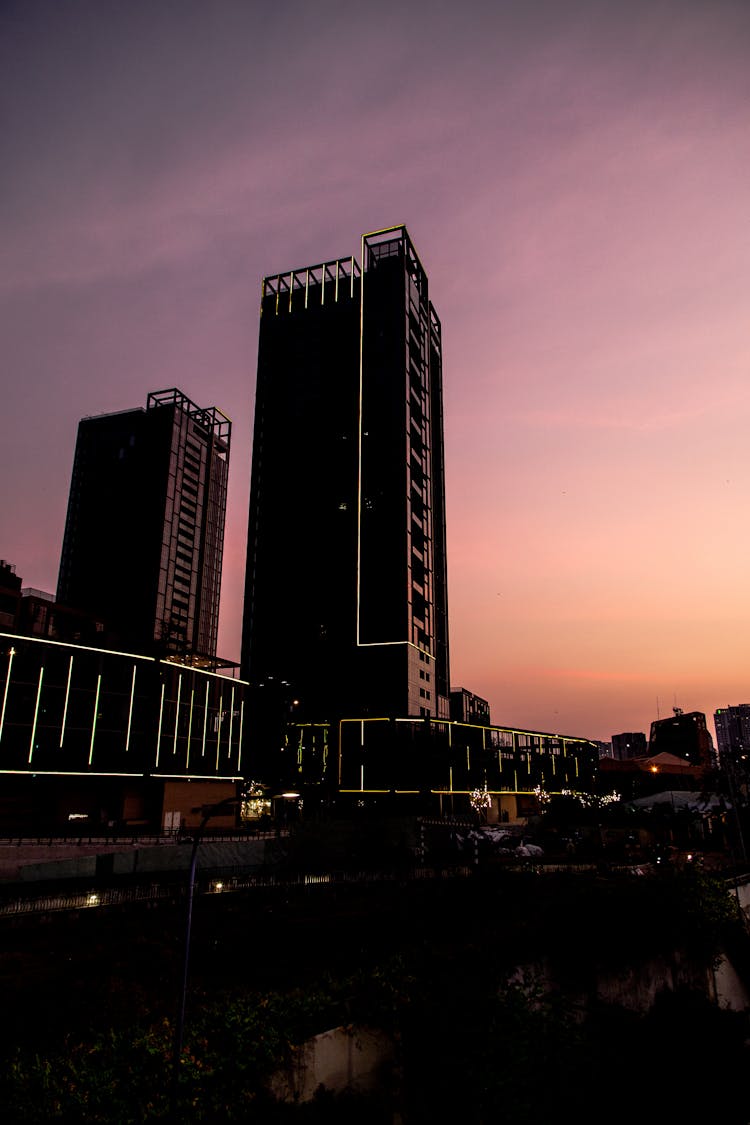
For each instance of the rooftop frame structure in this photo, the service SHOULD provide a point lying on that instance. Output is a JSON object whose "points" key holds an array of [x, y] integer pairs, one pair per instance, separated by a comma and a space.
{"points": [[210, 418]]}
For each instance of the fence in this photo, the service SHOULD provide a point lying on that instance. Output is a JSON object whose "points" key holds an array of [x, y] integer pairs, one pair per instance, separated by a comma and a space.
{"points": [[121, 896]]}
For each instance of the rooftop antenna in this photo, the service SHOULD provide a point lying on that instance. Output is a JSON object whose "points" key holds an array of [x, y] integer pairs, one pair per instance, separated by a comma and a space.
{"points": [[657, 709]]}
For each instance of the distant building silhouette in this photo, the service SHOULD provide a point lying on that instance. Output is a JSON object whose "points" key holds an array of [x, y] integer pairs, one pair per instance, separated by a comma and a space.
{"points": [[346, 589], [10, 595], [631, 744], [664, 772], [685, 735], [733, 741], [145, 527], [733, 732], [41, 615], [469, 708]]}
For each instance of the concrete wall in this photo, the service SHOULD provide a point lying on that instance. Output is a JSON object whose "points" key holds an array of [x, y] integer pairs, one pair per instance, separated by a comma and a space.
{"points": [[343, 1059]]}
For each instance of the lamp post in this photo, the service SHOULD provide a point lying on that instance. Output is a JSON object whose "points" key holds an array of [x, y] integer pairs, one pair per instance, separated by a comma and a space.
{"points": [[208, 811]]}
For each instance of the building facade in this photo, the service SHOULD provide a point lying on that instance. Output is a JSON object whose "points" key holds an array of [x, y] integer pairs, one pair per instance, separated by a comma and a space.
{"points": [[629, 744], [733, 743], [145, 526], [10, 595], [685, 735], [733, 732], [437, 764], [466, 707], [346, 585], [94, 738]]}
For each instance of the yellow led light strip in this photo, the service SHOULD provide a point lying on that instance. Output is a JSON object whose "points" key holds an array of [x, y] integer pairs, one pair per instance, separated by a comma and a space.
{"points": [[130, 708], [67, 698], [96, 713], [36, 713], [11, 654]]}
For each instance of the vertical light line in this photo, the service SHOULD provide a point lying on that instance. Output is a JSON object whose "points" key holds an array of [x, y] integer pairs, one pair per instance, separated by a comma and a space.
{"points": [[231, 723], [361, 777], [239, 749], [36, 712], [307, 284], [177, 712], [158, 733], [93, 721], [190, 727], [218, 730], [205, 720], [67, 697], [130, 712], [11, 654], [336, 283], [291, 289], [359, 433]]}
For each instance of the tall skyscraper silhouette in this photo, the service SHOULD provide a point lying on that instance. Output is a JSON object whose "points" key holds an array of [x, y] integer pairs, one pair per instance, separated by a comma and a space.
{"points": [[145, 528], [346, 589]]}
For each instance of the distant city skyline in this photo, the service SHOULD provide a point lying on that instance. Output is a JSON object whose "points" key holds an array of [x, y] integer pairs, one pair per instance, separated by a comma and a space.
{"points": [[575, 180]]}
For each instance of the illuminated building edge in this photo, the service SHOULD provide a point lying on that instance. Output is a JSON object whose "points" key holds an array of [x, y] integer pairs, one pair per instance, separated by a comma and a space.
{"points": [[76, 710], [438, 757]]}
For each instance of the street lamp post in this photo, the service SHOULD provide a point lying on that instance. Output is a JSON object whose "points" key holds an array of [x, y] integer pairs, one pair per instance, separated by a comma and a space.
{"points": [[208, 811]]}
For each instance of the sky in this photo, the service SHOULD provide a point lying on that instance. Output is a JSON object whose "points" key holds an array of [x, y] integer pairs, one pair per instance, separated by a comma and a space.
{"points": [[575, 178]]}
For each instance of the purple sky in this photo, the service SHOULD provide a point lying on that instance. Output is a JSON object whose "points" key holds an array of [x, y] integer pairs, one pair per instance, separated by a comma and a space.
{"points": [[575, 177]]}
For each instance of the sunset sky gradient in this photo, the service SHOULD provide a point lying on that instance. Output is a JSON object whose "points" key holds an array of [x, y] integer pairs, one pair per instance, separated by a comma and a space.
{"points": [[575, 177]]}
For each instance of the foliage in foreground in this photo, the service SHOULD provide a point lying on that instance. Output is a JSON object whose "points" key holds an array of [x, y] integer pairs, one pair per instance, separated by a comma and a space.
{"points": [[473, 1048], [234, 1044]]}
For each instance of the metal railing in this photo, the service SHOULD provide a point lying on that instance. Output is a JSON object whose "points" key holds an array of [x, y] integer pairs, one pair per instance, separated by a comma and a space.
{"points": [[94, 897]]}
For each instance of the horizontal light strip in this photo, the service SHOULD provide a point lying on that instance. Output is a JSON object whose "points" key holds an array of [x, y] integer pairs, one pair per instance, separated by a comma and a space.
{"points": [[365, 790], [197, 777], [105, 773], [17, 637]]}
